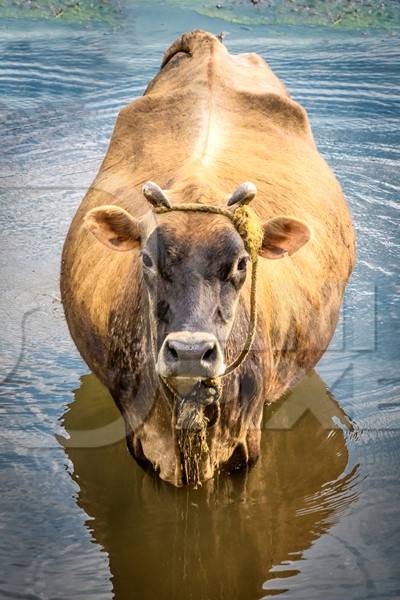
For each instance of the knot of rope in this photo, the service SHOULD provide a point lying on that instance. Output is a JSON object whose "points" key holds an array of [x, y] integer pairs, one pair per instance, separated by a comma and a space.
{"points": [[248, 227]]}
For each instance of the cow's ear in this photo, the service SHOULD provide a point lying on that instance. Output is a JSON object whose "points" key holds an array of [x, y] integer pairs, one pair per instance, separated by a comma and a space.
{"points": [[114, 227], [283, 235]]}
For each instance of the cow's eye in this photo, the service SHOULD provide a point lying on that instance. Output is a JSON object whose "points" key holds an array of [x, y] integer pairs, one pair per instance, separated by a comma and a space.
{"points": [[147, 260], [242, 263]]}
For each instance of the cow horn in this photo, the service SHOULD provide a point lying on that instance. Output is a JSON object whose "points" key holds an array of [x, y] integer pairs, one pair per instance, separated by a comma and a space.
{"points": [[243, 194], [154, 194]]}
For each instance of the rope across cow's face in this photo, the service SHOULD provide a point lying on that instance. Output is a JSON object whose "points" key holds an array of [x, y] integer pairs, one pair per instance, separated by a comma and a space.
{"points": [[194, 265]]}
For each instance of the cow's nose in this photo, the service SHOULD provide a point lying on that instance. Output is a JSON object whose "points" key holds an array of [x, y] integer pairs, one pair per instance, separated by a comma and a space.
{"points": [[190, 354], [203, 350]]}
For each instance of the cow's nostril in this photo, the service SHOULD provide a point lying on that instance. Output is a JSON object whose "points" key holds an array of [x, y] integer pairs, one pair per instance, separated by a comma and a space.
{"points": [[173, 355], [209, 355]]}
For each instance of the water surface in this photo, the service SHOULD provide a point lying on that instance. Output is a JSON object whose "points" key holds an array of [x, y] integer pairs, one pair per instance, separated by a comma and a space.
{"points": [[318, 516]]}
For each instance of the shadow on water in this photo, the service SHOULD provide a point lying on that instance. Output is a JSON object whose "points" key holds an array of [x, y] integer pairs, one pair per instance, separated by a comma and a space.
{"points": [[239, 536]]}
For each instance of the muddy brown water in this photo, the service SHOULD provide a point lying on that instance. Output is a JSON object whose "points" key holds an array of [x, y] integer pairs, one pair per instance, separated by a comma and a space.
{"points": [[236, 535]]}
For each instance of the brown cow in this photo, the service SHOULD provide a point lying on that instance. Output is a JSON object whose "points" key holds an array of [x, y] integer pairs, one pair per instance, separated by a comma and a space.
{"points": [[173, 300]]}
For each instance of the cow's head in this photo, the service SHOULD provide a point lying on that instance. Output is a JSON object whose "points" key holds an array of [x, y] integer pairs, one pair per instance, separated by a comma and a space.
{"points": [[194, 265]]}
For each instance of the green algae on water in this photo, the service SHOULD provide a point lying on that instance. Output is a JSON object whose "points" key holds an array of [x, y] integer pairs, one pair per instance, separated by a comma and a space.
{"points": [[79, 11], [335, 13]]}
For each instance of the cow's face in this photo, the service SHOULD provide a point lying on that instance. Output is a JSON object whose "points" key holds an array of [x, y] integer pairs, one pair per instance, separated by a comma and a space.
{"points": [[194, 265]]}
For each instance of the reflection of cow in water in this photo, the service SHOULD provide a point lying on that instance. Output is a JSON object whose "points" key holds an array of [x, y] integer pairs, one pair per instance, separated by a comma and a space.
{"points": [[223, 540], [179, 308]]}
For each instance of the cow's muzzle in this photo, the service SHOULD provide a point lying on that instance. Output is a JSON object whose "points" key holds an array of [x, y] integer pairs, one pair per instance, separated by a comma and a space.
{"points": [[190, 354]]}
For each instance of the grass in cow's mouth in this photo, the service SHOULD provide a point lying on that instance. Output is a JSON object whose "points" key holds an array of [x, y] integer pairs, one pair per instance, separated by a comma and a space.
{"points": [[192, 440]]}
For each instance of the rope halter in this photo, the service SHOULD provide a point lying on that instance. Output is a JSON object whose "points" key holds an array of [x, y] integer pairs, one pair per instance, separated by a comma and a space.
{"points": [[249, 228], [190, 420]]}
